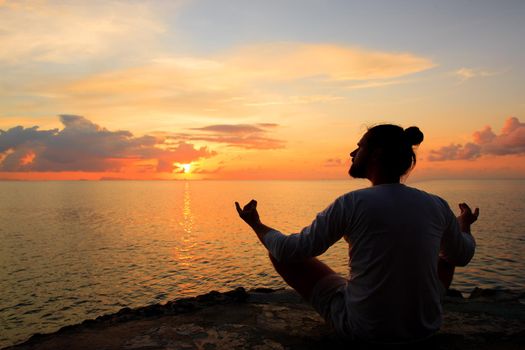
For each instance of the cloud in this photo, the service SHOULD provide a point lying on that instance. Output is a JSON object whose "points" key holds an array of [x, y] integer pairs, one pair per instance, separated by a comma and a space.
{"points": [[333, 162], [246, 136], [89, 57], [232, 129], [511, 140], [456, 152], [198, 170], [465, 74], [284, 61], [63, 32], [275, 62], [268, 125], [17, 136], [294, 100], [241, 78], [84, 146]]}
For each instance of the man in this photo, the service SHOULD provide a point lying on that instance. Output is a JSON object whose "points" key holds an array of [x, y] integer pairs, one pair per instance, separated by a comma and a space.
{"points": [[403, 246]]}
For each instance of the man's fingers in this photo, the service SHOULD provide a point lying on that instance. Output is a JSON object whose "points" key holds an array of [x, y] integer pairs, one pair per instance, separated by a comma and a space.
{"points": [[465, 210], [464, 207], [251, 205], [238, 207]]}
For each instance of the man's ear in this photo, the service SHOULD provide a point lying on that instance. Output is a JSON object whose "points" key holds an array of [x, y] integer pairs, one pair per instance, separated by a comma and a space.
{"points": [[376, 161]]}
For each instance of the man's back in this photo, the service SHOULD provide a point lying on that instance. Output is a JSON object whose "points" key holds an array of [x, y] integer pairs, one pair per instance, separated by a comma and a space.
{"points": [[395, 235]]}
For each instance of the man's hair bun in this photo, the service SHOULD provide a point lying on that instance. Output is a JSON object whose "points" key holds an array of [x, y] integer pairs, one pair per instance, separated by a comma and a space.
{"points": [[413, 135]]}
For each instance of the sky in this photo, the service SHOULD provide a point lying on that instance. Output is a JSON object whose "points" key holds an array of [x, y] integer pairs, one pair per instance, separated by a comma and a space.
{"points": [[232, 89]]}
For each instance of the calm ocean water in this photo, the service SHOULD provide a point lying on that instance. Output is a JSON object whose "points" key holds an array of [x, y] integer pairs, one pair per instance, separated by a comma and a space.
{"points": [[76, 250]]}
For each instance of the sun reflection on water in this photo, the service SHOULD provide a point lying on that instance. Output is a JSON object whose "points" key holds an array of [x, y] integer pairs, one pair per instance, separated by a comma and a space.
{"points": [[184, 252]]}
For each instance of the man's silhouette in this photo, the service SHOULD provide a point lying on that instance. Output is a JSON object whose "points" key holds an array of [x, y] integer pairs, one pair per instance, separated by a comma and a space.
{"points": [[403, 246]]}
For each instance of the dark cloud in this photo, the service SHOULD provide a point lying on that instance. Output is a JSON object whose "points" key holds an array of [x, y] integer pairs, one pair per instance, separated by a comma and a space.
{"points": [[333, 162], [179, 170], [85, 146], [252, 142], [268, 125], [207, 171], [17, 136], [456, 151], [231, 129], [511, 140], [245, 136]]}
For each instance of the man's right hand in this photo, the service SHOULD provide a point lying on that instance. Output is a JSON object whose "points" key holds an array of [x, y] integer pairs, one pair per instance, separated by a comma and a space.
{"points": [[467, 217], [249, 213]]}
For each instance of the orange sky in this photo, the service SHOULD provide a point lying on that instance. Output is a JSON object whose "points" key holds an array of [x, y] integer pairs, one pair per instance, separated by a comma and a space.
{"points": [[87, 93]]}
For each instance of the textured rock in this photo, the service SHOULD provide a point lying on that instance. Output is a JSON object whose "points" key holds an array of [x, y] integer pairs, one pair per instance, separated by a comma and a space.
{"points": [[266, 319]]}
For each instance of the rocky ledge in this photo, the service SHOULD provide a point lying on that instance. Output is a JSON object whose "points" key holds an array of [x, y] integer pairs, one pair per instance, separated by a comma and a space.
{"points": [[279, 319]]}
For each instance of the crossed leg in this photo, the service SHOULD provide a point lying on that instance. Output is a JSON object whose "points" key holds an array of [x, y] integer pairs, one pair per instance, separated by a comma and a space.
{"points": [[302, 276]]}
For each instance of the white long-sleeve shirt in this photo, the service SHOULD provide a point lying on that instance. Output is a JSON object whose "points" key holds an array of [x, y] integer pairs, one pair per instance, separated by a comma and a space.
{"points": [[396, 234]]}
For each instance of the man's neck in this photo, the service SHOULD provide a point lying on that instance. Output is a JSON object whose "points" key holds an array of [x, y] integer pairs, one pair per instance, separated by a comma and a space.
{"points": [[381, 180]]}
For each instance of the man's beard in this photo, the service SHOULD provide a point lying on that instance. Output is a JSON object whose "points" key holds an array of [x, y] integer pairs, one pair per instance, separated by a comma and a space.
{"points": [[357, 171]]}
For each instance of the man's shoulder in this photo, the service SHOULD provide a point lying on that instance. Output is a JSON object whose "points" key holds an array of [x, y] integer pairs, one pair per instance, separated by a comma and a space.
{"points": [[391, 189], [399, 190], [431, 196]]}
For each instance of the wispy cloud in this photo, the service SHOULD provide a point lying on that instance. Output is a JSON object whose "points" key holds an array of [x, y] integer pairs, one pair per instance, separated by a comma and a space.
{"points": [[240, 79], [465, 74], [285, 61], [84, 146], [246, 136], [333, 162], [511, 140], [66, 32], [270, 62], [241, 129], [295, 100]]}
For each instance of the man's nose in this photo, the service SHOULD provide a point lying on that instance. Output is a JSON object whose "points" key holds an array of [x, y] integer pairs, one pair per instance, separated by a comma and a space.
{"points": [[352, 154]]}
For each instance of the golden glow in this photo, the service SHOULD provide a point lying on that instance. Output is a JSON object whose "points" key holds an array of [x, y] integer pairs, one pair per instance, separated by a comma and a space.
{"points": [[316, 97], [28, 158], [181, 168]]}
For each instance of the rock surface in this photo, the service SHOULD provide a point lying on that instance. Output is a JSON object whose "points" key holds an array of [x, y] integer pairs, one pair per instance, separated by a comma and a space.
{"points": [[267, 319]]}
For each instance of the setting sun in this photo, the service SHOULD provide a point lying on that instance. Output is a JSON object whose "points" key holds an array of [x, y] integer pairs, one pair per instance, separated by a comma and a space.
{"points": [[186, 167]]}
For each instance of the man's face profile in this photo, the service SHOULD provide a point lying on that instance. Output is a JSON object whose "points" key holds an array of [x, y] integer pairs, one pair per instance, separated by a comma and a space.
{"points": [[358, 168]]}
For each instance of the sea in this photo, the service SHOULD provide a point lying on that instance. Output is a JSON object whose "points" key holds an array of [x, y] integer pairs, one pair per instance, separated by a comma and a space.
{"points": [[75, 250]]}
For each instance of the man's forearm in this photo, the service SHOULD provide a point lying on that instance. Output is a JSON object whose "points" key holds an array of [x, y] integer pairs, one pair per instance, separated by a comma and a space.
{"points": [[261, 230]]}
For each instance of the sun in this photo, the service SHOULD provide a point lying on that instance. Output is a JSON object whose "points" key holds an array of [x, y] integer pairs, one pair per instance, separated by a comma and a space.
{"points": [[186, 168], [182, 168]]}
